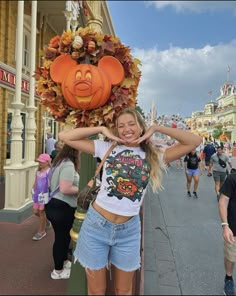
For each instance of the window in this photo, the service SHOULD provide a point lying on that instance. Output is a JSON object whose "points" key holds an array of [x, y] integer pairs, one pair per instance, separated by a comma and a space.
{"points": [[26, 50]]}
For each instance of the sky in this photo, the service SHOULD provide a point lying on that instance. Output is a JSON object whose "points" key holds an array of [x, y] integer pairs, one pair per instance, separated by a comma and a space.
{"points": [[187, 50]]}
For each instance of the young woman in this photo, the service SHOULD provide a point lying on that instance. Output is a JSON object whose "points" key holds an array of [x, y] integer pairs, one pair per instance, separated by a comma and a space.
{"points": [[193, 171], [64, 183], [111, 232]]}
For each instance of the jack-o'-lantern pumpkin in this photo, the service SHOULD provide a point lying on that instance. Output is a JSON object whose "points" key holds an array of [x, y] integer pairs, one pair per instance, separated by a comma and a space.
{"points": [[85, 86]]}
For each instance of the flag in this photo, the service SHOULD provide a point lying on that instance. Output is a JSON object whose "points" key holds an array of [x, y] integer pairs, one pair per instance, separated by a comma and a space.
{"points": [[228, 70], [209, 93]]}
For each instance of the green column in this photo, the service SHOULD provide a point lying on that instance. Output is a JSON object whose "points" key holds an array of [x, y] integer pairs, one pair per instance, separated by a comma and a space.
{"points": [[77, 284]]}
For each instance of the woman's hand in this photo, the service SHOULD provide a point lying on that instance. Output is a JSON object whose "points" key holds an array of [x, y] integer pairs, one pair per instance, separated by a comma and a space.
{"points": [[146, 137], [108, 134]]}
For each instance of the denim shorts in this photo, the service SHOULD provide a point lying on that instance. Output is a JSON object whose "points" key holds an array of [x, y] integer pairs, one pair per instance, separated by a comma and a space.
{"points": [[191, 172], [101, 243]]}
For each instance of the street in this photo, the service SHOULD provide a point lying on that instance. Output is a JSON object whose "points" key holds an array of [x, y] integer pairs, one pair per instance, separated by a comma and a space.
{"points": [[183, 239]]}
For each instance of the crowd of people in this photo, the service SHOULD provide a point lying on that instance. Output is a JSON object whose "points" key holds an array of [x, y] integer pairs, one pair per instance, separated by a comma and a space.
{"points": [[137, 160]]}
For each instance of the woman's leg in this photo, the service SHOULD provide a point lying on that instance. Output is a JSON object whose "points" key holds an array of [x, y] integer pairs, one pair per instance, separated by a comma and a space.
{"points": [[96, 281], [123, 282], [189, 180], [61, 216], [196, 182]]}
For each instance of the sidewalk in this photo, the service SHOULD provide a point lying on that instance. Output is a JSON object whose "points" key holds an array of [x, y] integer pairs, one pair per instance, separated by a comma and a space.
{"points": [[160, 276], [26, 264]]}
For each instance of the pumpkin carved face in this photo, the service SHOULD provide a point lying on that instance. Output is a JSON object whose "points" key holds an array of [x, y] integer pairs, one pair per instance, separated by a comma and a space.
{"points": [[85, 86]]}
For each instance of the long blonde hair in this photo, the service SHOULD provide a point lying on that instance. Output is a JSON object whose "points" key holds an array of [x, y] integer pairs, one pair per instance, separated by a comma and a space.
{"points": [[153, 154]]}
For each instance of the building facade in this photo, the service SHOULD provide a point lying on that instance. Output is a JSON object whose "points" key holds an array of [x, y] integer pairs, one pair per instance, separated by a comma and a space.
{"points": [[221, 113], [25, 28]]}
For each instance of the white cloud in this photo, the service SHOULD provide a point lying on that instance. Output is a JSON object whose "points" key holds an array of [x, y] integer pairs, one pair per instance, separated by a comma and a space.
{"points": [[194, 6], [178, 80]]}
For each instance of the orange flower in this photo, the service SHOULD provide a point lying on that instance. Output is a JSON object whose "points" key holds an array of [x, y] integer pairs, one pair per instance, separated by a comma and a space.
{"points": [[55, 41], [66, 38]]}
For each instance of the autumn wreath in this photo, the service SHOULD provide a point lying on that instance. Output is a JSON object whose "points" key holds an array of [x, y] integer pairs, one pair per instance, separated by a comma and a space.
{"points": [[87, 47]]}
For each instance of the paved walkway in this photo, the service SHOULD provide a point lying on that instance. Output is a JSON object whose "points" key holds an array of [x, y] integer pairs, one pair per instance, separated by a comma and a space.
{"points": [[183, 239], [183, 246], [26, 264]]}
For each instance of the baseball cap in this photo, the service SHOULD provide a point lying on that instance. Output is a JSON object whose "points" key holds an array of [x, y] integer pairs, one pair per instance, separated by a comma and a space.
{"points": [[44, 157]]}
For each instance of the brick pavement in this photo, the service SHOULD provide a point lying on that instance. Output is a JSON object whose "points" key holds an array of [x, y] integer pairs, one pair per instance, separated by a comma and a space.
{"points": [[26, 264]]}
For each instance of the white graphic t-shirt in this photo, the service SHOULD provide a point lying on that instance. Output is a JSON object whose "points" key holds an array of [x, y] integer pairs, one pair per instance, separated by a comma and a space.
{"points": [[124, 180]]}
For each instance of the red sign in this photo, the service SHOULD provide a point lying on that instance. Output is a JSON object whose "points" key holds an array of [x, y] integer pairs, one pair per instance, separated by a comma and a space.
{"points": [[9, 79]]}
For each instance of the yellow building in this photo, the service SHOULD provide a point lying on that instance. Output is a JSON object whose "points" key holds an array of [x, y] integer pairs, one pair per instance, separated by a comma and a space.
{"points": [[25, 28], [221, 112]]}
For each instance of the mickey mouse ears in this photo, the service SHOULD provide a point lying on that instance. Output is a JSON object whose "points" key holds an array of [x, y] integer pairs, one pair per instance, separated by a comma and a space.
{"points": [[114, 68], [60, 66]]}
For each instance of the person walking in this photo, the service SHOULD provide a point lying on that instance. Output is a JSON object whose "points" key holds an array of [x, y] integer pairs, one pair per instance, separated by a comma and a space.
{"points": [[50, 143], [111, 231], [193, 170], [208, 151], [227, 212], [218, 166], [61, 208], [58, 147], [41, 186]]}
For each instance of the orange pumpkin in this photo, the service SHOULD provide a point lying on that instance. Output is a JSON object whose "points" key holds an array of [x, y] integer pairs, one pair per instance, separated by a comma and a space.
{"points": [[85, 86]]}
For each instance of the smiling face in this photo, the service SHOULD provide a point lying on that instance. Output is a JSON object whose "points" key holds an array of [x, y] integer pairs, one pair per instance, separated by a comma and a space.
{"points": [[128, 128], [86, 87]]}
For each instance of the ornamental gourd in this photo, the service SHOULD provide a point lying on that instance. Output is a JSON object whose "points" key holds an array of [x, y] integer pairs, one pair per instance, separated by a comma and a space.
{"points": [[84, 86]]}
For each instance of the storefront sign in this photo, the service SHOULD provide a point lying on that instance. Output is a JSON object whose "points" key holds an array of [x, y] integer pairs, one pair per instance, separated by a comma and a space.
{"points": [[9, 79]]}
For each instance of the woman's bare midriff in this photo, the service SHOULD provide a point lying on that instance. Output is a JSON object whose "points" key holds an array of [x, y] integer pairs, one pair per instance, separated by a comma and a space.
{"points": [[114, 218]]}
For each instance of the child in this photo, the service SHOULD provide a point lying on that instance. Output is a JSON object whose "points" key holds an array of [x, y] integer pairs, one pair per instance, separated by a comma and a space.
{"points": [[41, 185]]}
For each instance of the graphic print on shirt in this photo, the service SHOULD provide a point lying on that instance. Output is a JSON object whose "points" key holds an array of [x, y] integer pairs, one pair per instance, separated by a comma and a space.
{"points": [[192, 160], [127, 175]]}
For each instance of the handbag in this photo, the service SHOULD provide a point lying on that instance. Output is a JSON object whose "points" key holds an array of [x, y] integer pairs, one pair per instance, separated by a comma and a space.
{"points": [[90, 191]]}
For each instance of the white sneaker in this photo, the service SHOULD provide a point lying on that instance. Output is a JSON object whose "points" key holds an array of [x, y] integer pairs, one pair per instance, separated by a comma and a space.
{"points": [[38, 236], [65, 274], [67, 265]]}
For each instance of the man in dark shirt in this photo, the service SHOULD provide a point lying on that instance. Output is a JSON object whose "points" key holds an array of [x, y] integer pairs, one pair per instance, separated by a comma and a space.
{"points": [[227, 211], [208, 151]]}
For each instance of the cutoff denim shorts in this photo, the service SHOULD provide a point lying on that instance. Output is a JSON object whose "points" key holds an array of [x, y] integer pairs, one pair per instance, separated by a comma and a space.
{"points": [[101, 243], [191, 172]]}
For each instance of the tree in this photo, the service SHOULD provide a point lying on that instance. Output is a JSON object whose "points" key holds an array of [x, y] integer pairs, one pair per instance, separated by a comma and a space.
{"points": [[140, 110], [217, 131]]}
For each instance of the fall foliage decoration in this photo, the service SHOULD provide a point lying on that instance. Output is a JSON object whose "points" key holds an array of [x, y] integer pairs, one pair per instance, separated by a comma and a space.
{"points": [[87, 52]]}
